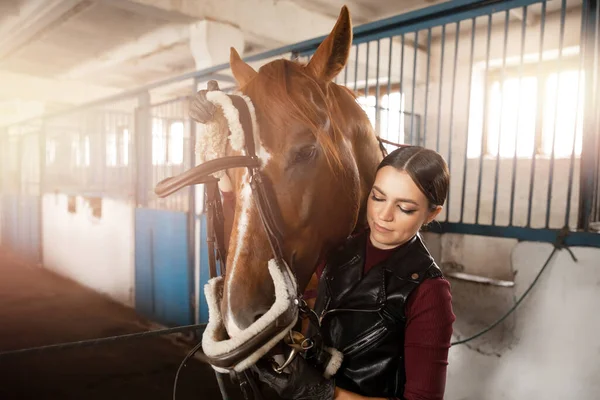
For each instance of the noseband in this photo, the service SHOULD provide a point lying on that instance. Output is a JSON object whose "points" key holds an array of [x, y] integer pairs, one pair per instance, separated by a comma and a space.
{"points": [[202, 174]]}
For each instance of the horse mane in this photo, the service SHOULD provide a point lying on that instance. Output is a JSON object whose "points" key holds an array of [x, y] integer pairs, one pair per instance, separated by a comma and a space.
{"points": [[289, 93]]}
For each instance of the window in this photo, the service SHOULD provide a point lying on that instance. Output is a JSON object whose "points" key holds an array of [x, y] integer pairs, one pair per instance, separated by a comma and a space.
{"points": [[111, 149], [117, 147], [534, 114], [390, 118], [80, 151], [159, 143], [167, 142], [176, 143]]}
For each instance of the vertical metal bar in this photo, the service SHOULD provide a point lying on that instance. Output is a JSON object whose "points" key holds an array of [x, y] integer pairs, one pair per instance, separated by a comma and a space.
{"points": [[580, 69], [377, 110], [468, 104], [41, 180], [191, 213], [501, 115], [556, 93], [424, 139], [589, 153], [143, 148], [451, 124], [516, 143], [539, 117], [439, 119], [484, 120], [401, 119], [101, 126], [389, 89], [414, 82]]}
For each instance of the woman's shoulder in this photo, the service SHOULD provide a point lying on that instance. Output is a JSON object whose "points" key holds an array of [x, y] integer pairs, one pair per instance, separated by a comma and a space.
{"points": [[432, 294]]}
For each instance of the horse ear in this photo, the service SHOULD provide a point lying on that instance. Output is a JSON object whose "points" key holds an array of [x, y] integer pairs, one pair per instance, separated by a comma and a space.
{"points": [[332, 55], [242, 72]]}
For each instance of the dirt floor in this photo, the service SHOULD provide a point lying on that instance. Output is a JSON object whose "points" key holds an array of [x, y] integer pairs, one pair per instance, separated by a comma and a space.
{"points": [[39, 308]]}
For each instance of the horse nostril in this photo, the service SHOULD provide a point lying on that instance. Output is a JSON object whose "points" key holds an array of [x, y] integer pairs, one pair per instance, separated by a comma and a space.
{"points": [[257, 316]]}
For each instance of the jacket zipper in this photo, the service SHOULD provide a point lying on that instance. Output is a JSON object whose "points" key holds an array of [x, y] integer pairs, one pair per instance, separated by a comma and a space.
{"points": [[325, 311], [360, 344]]}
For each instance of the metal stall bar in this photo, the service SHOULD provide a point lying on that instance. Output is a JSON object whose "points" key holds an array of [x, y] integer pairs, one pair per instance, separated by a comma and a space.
{"points": [[501, 114], [389, 89], [377, 92], [424, 139], [539, 118], [439, 118], [516, 142], [580, 71], [414, 83], [485, 100], [402, 97], [561, 40], [451, 123], [466, 159]]}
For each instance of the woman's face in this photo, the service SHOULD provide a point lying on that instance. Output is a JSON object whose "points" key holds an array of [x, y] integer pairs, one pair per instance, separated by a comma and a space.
{"points": [[396, 208]]}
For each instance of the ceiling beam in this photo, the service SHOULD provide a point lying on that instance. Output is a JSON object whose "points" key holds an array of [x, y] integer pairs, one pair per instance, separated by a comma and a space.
{"points": [[32, 88], [36, 19], [155, 41], [147, 9]]}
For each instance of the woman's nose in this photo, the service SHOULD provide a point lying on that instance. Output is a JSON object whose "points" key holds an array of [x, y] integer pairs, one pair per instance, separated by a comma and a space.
{"points": [[386, 213]]}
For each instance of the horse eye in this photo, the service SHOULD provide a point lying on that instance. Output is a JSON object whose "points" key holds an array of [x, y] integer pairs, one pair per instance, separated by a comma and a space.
{"points": [[305, 153]]}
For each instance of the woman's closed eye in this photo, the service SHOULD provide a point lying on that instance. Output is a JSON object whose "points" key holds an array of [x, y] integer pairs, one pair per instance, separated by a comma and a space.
{"points": [[380, 199], [405, 211]]}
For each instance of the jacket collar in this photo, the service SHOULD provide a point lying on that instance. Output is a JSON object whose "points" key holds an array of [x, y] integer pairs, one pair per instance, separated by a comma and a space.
{"points": [[345, 279]]}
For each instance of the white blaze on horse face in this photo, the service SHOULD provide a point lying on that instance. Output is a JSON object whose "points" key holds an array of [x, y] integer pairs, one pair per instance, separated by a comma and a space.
{"points": [[243, 239], [242, 242]]}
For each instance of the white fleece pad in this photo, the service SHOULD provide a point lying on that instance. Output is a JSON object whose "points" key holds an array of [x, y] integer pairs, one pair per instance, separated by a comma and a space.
{"points": [[214, 343]]}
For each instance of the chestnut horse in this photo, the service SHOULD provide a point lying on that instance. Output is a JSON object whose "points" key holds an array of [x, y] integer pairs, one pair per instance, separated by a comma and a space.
{"points": [[319, 154]]}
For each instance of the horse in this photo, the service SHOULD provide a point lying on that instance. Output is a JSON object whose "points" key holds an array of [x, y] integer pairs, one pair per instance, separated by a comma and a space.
{"points": [[319, 154], [316, 155]]}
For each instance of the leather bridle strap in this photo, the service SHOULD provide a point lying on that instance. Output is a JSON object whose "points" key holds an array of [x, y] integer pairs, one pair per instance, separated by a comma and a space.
{"points": [[263, 202]]}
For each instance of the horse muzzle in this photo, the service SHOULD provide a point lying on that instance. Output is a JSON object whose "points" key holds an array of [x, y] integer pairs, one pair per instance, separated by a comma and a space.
{"points": [[242, 351]]}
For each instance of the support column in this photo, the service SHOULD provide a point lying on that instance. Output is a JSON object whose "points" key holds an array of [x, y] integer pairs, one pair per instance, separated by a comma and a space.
{"points": [[210, 42]]}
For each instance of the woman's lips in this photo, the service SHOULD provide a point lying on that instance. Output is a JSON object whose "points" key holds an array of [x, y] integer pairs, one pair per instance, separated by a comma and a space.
{"points": [[380, 228]]}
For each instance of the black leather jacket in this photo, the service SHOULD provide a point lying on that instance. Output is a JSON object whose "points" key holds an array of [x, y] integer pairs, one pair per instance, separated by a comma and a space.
{"points": [[364, 316]]}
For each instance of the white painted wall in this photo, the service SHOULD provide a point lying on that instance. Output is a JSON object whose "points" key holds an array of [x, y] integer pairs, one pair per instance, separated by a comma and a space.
{"points": [[548, 348], [95, 252]]}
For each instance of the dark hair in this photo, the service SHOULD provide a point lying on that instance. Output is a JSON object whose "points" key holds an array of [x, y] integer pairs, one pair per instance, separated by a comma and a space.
{"points": [[427, 169]]}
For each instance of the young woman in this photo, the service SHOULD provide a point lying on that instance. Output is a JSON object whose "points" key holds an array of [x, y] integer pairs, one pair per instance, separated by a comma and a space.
{"points": [[381, 298]]}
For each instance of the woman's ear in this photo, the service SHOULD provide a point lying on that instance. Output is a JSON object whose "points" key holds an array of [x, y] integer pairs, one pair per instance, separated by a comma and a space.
{"points": [[433, 214]]}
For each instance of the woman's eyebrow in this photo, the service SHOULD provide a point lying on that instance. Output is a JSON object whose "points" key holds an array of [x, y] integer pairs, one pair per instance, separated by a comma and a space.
{"points": [[402, 200]]}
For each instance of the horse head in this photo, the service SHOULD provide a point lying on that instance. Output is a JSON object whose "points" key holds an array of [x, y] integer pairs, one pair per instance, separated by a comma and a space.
{"points": [[318, 156]]}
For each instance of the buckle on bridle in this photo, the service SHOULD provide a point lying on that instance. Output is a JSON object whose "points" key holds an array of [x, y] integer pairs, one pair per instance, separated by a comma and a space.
{"points": [[298, 343]]}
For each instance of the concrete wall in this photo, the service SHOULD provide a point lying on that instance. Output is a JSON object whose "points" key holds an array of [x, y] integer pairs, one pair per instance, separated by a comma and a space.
{"points": [[96, 252]]}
